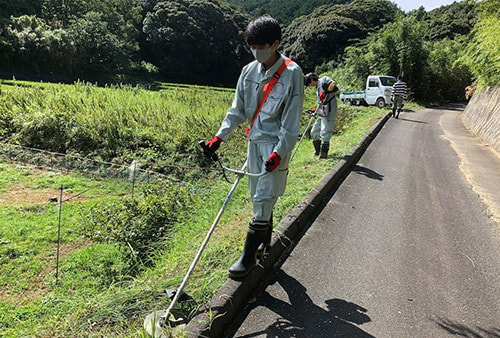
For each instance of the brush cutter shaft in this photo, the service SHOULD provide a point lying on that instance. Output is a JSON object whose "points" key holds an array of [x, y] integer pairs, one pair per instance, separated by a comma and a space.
{"points": [[244, 173], [205, 242], [303, 134]]}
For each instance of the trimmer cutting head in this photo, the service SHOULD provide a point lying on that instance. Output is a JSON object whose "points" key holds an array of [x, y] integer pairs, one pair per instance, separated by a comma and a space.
{"points": [[183, 298], [159, 326]]}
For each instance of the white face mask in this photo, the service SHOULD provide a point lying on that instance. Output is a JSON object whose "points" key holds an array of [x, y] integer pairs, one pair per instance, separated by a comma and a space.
{"points": [[262, 55]]}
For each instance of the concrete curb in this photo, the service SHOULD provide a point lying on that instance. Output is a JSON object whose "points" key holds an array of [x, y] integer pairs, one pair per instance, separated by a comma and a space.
{"points": [[220, 311]]}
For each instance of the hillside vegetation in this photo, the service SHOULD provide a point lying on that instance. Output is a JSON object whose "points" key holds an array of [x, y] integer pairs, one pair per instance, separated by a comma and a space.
{"points": [[202, 41], [284, 13], [323, 35]]}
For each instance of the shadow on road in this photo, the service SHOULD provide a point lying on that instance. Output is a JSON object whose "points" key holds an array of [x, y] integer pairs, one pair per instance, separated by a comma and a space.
{"points": [[368, 172], [464, 331], [416, 121], [302, 318], [450, 106]]}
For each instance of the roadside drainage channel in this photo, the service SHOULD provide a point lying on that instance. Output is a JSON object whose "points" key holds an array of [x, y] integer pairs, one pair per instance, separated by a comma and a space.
{"points": [[218, 314]]}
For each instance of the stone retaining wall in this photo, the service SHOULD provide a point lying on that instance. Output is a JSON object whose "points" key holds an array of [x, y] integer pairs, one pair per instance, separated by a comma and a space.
{"points": [[482, 116]]}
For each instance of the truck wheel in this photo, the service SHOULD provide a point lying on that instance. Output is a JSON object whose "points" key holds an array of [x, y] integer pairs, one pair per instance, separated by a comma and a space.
{"points": [[380, 103]]}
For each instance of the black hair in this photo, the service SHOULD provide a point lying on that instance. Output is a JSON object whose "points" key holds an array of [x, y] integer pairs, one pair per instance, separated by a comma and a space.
{"points": [[262, 30], [310, 77]]}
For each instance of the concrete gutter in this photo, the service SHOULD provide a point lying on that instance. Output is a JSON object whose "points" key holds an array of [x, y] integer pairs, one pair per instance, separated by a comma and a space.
{"points": [[215, 316]]}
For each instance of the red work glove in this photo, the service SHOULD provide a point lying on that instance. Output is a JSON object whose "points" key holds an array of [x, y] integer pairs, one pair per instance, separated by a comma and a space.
{"points": [[214, 143], [322, 95], [272, 162]]}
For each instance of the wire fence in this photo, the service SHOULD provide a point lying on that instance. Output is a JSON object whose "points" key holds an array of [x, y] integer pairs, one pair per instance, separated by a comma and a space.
{"points": [[57, 161], [99, 173]]}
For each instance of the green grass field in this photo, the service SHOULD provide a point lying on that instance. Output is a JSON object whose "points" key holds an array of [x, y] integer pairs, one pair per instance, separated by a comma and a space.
{"points": [[106, 286]]}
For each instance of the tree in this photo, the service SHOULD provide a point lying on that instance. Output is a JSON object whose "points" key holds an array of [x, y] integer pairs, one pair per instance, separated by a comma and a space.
{"points": [[10, 8], [75, 38], [450, 21], [32, 44], [283, 13], [446, 75], [196, 40], [323, 35], [398, 49], [483, 51]]}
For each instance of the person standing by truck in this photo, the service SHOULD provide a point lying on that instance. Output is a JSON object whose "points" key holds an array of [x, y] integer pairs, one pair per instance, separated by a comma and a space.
{"points": [[398, 96], [326, 110]]}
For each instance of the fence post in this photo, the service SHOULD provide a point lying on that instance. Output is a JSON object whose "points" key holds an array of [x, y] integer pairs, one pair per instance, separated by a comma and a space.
{"points": [[59, 233], [131, 176]]}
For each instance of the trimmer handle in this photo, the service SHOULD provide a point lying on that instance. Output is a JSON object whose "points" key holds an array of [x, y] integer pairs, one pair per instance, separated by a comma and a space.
{"points": [[209, 153]]}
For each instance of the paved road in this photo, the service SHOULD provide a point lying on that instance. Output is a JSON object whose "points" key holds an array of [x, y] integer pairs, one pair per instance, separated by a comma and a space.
{"points": [[405, 248]]}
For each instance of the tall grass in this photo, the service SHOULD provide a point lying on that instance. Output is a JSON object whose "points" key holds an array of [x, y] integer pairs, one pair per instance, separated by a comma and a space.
{"points": [[114, 123]]}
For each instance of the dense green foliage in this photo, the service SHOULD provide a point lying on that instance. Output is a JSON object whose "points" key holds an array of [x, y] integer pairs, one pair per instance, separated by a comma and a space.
{"points": [[397, 49], [483, 52], [323, 35], [445, 74], [17, 8], [283, 12], [73, 39], [428, 53], [186, 41], [202, 41], [187, 38], [449, 21]]}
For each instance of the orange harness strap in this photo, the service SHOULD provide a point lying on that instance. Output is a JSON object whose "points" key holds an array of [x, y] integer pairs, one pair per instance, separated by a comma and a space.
{"points": [[267, 90]]}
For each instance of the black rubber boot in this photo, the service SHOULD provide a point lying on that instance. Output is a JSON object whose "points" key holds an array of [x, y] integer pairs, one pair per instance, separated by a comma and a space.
{"points": [[397, 115], [317, 147], [257, 232], [393, 112], [324, 150], [264, 246]]}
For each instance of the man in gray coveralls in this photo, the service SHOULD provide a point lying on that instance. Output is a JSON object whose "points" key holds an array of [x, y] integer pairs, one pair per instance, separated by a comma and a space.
{"points": [[274, 129]]}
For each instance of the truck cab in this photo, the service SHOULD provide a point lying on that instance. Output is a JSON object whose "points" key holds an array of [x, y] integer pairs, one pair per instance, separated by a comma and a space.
{"points": [[378, 90]]}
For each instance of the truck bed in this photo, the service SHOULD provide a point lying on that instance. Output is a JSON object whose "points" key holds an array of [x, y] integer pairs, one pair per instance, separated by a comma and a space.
{"points": [[360, 94]]}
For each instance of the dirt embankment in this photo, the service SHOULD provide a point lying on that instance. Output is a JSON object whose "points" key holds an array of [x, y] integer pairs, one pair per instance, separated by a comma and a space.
{"points": [[482, 116]]}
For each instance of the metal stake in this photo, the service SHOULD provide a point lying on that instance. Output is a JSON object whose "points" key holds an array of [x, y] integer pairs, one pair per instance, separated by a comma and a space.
{"points": [[59, 232]]}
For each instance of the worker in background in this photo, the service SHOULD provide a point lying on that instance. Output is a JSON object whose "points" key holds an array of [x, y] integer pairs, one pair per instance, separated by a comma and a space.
{"points": [[326, 110], [273, 129], [398, 96]]}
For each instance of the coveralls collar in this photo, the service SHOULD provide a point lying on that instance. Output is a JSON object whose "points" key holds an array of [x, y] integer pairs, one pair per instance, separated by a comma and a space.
{"points": [[273, 69]]}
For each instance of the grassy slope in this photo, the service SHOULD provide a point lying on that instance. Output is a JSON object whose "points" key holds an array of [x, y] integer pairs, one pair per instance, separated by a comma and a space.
{"points": [[92, 296]]}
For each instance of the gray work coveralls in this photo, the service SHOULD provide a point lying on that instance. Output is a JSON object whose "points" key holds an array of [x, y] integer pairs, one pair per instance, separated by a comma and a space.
{"points": [[324, 126], [276, 128]]}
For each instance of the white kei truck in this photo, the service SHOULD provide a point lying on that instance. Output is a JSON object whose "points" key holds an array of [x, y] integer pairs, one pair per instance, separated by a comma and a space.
{"points": [[377, 92]]}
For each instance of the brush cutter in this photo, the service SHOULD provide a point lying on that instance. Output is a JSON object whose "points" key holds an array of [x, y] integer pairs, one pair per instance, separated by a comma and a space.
{"points": [[159, 322]]}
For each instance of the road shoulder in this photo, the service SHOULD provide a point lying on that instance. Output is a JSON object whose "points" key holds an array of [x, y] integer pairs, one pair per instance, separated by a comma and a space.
{"points": [[479, 162]]}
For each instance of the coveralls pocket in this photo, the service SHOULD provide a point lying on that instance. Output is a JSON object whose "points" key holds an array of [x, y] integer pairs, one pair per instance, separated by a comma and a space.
{"points": [[274, 100]]}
